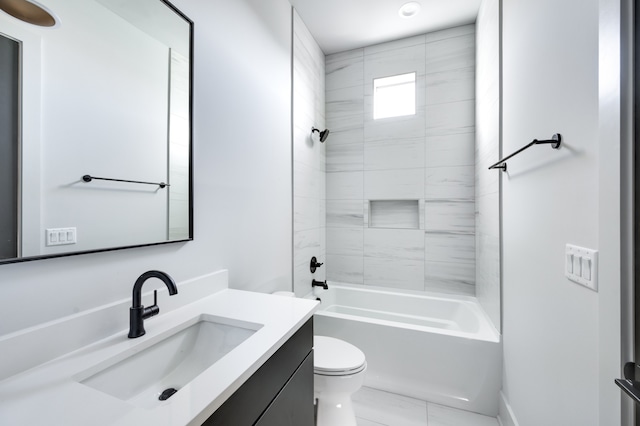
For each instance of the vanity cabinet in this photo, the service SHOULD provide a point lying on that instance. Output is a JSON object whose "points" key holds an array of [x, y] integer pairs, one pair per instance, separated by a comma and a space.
{"points": [[280, 393]]}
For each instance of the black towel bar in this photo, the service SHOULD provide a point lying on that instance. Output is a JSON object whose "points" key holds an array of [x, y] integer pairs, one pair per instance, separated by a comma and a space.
{"points": [[89, 178], [555, 142]]}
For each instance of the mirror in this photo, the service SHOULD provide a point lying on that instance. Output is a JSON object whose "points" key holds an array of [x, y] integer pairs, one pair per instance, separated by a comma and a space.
{"points": [[104, 94]]}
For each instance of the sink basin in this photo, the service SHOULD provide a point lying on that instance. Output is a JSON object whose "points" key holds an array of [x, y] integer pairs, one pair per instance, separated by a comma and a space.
{"points": [[140, 376]]}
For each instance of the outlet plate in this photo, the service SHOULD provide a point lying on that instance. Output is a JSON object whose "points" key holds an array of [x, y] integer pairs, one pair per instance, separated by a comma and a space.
{"points": [[581, 266], [61, 236]]}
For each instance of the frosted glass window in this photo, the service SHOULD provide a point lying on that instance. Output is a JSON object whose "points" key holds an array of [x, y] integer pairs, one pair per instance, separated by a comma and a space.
{"points": [[394, 96]]}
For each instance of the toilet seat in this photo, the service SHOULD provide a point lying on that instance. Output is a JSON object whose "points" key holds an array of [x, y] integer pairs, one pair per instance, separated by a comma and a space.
{"points": [[335, 357]]}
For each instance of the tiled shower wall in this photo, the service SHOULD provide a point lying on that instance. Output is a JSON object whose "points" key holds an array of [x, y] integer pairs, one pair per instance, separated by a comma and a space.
{"points": [[308, 157], [399, 169], [488, 152]]}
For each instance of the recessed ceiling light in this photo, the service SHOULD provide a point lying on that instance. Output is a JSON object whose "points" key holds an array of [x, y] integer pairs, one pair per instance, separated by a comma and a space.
{"points": [[29, 11], [409, 10]]}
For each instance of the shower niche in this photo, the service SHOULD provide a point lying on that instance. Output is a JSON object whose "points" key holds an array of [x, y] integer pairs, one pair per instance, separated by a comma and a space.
{"points": [[396, 214]]}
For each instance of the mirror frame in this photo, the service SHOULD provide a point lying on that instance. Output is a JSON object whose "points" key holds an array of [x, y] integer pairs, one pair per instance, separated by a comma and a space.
{"points": [[190, 237]]}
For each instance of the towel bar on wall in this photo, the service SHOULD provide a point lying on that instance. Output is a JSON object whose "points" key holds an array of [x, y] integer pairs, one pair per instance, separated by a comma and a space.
{"points": [[89, 178], [555, 142]]}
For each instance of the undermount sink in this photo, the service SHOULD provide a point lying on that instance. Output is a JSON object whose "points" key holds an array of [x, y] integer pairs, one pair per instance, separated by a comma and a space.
{"points": [[141, 376]]}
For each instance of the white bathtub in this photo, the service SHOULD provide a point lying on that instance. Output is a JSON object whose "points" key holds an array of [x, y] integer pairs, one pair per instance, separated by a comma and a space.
{"points": [[433, 347]]}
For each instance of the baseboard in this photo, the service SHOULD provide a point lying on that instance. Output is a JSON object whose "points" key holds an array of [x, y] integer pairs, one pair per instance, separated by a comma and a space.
{"points": [[505, 413]]}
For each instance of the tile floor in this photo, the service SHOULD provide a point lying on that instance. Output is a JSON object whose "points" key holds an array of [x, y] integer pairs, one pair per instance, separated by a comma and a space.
{"points": [[378, 408]]}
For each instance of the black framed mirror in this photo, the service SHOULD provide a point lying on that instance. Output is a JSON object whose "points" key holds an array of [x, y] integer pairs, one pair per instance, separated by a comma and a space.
{"points": [[97, 147]]}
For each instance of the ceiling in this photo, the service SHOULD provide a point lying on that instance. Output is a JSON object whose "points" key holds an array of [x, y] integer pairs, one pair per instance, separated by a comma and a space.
{"points": [[339, 25]]}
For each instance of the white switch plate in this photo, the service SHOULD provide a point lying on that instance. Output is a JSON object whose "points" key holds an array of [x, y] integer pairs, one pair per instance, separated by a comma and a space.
{"points": [[61, 236], [581, 266]]}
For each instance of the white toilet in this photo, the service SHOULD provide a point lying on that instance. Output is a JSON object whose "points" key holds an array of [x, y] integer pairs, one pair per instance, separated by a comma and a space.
{"points": [[338, 370]]}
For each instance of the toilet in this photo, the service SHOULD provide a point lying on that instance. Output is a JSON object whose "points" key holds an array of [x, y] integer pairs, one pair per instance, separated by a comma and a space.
{"points": [[338, 371]]}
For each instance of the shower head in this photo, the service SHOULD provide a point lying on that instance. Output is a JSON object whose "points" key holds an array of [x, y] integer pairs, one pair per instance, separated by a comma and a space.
{"points": [[324, 134]]}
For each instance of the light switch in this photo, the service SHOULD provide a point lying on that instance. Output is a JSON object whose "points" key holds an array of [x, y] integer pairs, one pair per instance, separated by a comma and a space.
{"points": [[61, 236], [577, 265], [569, 263], [584, 266]]}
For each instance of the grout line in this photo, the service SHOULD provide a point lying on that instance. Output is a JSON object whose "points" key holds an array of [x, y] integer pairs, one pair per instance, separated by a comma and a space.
{"points": [[427, 409]]}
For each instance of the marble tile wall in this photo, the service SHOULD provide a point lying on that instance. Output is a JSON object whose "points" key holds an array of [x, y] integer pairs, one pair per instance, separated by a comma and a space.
{"points": [[427, 158], [487, 184], [309, 209]]}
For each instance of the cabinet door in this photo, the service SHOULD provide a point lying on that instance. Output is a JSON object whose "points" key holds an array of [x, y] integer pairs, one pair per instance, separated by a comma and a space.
{"points": [[254, 397], [294, 404]]}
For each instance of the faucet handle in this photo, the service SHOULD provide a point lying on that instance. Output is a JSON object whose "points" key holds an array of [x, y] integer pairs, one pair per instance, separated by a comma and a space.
{"points": [[152, 310], [314, 264]]}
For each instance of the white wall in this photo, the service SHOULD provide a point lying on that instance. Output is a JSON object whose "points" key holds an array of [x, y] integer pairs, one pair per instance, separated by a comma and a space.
{"points": [[308, 158], [242, 155], [550, 198]]}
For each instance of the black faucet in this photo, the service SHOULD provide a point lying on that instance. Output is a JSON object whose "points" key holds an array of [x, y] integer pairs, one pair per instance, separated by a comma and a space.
{"points": [[322, 284], [137, 312]]}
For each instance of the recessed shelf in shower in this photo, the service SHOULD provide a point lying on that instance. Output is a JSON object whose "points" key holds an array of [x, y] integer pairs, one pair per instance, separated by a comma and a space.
{"points": [[399, 214]]}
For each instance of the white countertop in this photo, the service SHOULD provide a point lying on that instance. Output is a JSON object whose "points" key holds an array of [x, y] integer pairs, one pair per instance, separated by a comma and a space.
{"points": [[50, 393]]}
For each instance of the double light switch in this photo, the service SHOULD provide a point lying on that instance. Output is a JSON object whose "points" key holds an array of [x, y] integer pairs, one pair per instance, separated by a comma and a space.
{"points": [[581, 266]]}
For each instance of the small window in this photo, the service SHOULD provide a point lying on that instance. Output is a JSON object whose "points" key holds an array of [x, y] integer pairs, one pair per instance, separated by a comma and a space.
{"points": [[394, 96]]}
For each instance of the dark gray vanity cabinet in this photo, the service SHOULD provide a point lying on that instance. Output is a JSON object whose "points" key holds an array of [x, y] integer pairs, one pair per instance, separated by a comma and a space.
{"points": [[280, 393]]}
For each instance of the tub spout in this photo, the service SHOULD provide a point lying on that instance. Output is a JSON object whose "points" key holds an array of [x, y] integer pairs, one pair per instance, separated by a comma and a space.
{"points": [[322, 284]]}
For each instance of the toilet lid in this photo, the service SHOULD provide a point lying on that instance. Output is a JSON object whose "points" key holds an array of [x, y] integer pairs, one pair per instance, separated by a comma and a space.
{"points": [[334, 355]]}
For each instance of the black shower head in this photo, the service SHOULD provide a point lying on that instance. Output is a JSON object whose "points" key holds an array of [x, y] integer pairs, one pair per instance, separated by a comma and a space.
{"points": [[324, 134]]}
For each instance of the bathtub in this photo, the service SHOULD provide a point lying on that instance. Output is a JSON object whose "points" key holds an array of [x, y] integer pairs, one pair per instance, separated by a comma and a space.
{"points": [[437, 348]]}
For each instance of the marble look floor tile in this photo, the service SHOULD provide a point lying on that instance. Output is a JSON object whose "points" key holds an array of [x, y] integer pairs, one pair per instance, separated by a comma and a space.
{"points": [[440, 415], [389, 409], [365, 422]]}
